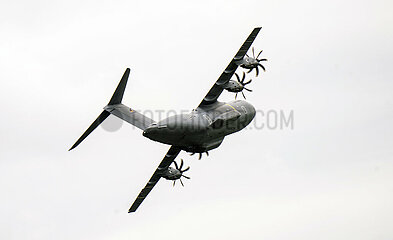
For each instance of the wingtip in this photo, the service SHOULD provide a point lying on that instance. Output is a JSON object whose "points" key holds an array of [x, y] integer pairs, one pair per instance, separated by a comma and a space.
{"points": [[131, 210], [73, 146]]}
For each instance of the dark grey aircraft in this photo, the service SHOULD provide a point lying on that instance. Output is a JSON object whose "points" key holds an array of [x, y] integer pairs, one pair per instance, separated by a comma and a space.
{"points": [[199, 131]]}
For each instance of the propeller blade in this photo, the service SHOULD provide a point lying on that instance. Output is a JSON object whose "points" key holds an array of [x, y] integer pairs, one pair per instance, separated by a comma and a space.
{"points": [[177, 167], [235, 96], [256, 69], [250, 70], [207, 153], [200, 156], [192, 154], [174, 181], [237, 76], [181, 182], [253, 54], [181, 164], [248, 89], [247, 55], [243, 95], [247, 82], [186, 177], [259, 54], [244, 76], [185, 170], [260, 60], [262, 67]]}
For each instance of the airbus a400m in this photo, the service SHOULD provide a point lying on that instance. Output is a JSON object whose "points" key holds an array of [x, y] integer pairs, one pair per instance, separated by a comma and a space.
{"points": [[201, 130]]}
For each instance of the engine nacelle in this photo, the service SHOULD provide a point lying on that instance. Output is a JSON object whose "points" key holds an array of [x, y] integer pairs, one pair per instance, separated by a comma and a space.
{"points": [[175, 173], [248, 63], [171, 174], [233, 86]]}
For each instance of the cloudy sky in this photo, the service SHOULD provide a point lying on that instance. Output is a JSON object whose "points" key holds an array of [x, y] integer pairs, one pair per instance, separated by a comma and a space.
{"points": [[330, 177]]}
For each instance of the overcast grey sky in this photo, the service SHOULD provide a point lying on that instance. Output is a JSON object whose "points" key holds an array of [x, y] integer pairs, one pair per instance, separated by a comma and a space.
{"points": [[331, 177]]}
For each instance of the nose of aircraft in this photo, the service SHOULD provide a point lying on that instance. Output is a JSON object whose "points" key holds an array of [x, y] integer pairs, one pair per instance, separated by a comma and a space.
{"points": [[150, 131]]}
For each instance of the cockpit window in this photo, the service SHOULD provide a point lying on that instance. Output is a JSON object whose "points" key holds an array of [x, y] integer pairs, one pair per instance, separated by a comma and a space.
{"points": [[244, 109], [207, 118]]}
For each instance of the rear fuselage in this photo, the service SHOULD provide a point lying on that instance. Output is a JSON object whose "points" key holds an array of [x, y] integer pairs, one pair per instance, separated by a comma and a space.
{"points": [[204, 128]]}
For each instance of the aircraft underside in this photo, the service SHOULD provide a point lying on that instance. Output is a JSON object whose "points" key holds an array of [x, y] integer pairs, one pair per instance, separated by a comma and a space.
{"points": [[202, 130]]}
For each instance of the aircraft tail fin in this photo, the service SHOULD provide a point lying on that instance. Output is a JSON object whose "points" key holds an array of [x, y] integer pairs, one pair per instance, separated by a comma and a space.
{"points": [[121, 111]]}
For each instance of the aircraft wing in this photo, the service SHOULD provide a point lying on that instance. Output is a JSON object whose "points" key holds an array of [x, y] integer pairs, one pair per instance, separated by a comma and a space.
{"points": [[165, 163], [217, 88]]}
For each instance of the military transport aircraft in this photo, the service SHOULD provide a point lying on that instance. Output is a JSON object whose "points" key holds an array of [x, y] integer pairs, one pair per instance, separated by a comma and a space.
{"points": [[199, 131]]}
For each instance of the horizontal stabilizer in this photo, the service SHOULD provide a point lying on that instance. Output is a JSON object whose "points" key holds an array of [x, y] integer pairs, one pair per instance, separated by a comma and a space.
{"points": [[129, 115], [119, 92], [93, 126]]}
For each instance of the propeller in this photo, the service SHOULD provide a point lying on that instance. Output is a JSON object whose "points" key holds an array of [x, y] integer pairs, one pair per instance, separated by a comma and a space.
{"points": [[200, 155], [243, 84], [179, 168], [258, 61]]}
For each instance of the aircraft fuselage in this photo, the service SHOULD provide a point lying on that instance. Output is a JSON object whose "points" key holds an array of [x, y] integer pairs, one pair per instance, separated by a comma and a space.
{"points": [[204, 128]]}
